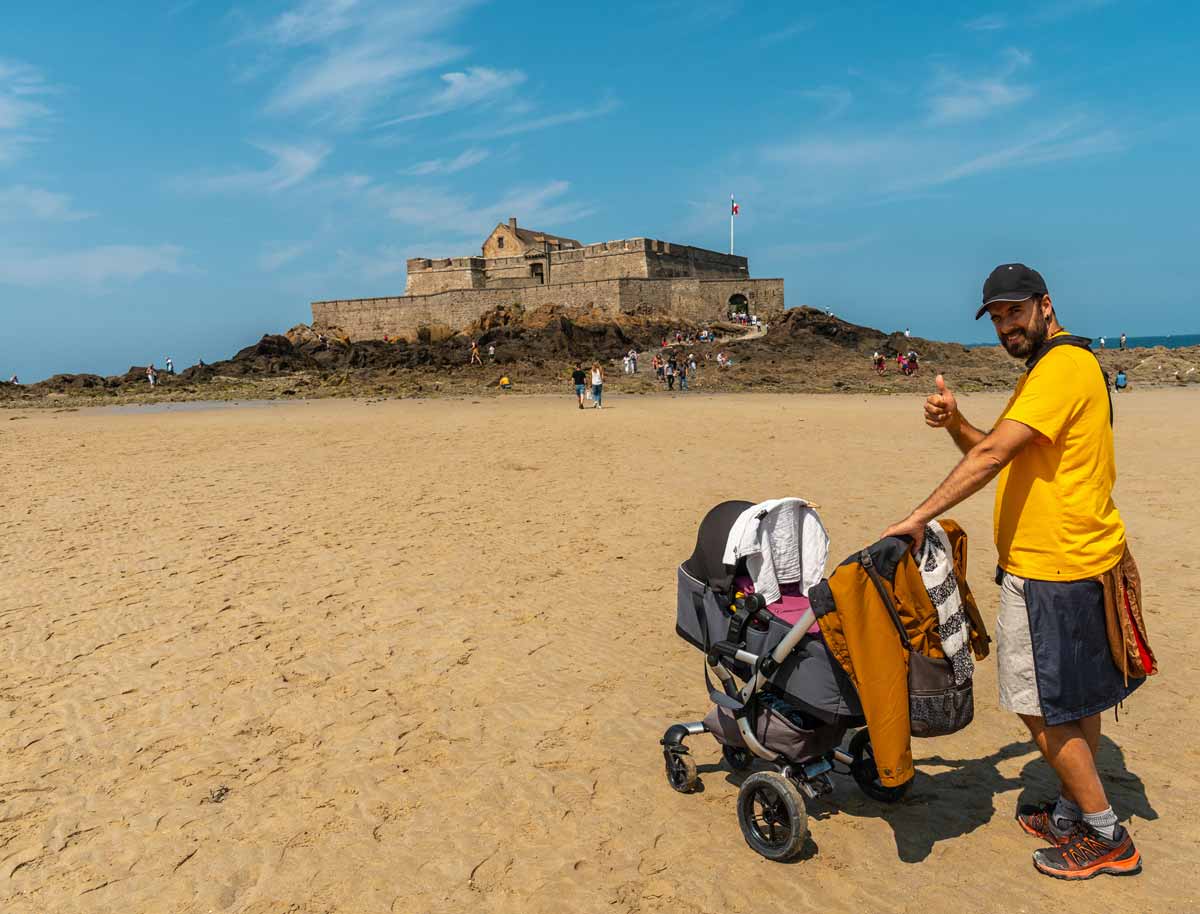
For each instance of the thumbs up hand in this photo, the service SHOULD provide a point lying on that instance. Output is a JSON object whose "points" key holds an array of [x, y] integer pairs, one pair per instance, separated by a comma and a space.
{"points": [[940, 408]]}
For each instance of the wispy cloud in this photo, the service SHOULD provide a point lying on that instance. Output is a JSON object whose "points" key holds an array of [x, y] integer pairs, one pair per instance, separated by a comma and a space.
{"points": [[1072, 139], [292, 165], [468, 158], [277, 254], [461, 90], [783, 34], [548, 205], [829, 152], [21, 89], [93, 266], [872, 166], [20, 200], [992, 22], [836, 99], [574, 116], [342, 58], [958, 98]]}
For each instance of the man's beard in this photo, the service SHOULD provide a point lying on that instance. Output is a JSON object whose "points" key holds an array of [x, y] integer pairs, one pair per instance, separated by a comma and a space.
{"points": [[1031, 338]]}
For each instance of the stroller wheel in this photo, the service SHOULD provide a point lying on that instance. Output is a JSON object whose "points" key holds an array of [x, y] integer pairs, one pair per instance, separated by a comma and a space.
{"points": [[866, 775], [681, 771], [739, 758], [772, 815]]}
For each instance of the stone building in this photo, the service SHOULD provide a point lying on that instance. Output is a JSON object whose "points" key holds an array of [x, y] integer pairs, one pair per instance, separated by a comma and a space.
{"points": [[520, 267]]}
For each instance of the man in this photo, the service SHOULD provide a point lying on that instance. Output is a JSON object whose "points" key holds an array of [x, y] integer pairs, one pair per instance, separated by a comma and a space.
{"points": [[1057, 531], [579, 379], [1123, 339]]}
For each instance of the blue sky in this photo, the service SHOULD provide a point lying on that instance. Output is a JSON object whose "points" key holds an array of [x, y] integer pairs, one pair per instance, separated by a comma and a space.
{"points": [[178, 178]]}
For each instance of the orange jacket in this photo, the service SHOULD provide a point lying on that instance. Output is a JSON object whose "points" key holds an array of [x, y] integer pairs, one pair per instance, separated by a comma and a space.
{"points": [[861, 635]]}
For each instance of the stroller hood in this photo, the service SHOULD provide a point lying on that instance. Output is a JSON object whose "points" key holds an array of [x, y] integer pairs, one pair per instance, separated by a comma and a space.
{"points": [[705, 563]]}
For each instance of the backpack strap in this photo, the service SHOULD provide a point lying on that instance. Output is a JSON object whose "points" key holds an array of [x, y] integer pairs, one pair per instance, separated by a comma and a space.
{"points": [[868, 564], [1080, 342]]}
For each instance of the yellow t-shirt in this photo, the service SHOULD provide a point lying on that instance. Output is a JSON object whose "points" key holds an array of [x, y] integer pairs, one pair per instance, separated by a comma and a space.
{"points": [[1054, 517]]}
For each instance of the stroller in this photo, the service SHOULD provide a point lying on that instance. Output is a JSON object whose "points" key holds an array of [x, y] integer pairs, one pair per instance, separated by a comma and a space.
{"points": [[782, 697]]}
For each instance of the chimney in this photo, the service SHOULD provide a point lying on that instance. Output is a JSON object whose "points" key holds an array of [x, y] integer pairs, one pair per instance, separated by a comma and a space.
{"points": [[512, 223]]}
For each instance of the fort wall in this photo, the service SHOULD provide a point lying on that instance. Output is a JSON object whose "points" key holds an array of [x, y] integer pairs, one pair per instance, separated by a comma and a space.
{"points": [[645, 258], [455, 309]]}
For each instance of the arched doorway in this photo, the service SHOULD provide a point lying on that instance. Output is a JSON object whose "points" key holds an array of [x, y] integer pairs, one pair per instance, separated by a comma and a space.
{"points": [[738, 304]]}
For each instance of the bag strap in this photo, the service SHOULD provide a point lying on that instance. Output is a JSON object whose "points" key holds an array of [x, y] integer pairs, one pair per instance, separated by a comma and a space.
{"points": [[1079, 342], [868, 563], [717, 695]]}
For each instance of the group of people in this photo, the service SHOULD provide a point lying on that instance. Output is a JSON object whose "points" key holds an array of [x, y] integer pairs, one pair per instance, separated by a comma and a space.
{"points": [[152, 372], [907, 362], [741, 317], [1124, 340], [476, 358], [629, 361], [679, 338], [673, 369], [580, 377]]}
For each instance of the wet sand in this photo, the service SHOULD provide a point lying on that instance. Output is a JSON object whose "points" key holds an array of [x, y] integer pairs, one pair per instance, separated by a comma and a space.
{"points": [[417, 655]]}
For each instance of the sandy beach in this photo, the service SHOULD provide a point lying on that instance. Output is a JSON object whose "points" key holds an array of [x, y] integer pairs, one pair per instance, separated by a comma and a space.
{"points": [[416, 656]]}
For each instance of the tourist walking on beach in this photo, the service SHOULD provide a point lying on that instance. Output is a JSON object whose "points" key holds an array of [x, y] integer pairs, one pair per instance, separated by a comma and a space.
{"points": [[597, 384], [579, 379], [151, 374], [671, 371], [1062, 555], [683, 376], [633, 357], [170, 365], [1123, 340], [475, 359]]}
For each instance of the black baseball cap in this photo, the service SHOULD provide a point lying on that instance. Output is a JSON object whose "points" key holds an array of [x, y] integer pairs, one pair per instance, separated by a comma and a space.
{"points": [[1011, 282]]}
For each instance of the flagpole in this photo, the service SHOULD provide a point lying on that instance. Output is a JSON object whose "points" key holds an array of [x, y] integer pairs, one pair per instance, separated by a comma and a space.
{"points": [[731, 224]]}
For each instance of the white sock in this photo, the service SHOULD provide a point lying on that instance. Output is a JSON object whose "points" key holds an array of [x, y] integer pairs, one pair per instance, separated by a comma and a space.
{"points": [[1103, 822]]}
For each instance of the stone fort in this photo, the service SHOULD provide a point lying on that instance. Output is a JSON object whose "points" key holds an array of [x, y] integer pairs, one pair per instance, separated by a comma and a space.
{"points": [[520, 267]]}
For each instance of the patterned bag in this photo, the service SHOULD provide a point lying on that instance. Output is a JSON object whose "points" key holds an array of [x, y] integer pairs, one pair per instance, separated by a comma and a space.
{"points": [[936, 706], [1127, 640]]}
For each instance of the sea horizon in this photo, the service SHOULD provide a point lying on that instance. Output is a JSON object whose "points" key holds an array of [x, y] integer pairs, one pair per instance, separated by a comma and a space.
{"points": [[1168, 341]]}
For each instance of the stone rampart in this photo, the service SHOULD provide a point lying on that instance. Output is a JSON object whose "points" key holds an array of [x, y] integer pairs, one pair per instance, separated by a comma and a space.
{"points": [[456, 309]]}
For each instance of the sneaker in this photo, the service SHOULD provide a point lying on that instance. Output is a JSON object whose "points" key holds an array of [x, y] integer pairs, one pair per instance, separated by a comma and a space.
{"points": [[1039, 821], [1089, 854]]}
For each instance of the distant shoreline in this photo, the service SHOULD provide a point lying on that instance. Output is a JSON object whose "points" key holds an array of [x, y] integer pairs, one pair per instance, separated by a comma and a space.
{"points": [[1170, 341]]}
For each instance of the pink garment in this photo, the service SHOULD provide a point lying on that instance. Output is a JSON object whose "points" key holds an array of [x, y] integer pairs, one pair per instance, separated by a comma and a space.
{"points": [[791, 606]]}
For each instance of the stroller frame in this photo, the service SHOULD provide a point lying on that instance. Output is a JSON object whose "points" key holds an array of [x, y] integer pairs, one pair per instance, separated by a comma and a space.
{"points": [[771, 809]]}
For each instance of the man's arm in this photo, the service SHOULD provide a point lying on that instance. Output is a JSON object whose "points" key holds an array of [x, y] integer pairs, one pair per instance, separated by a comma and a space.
{"points": [[964, 435], [982, 462]]}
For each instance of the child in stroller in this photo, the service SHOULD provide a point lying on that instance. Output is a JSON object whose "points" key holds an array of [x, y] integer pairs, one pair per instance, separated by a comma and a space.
{"points": [[782, 697]]}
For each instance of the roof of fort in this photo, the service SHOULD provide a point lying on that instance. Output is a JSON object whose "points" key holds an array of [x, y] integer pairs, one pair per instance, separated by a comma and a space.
{"points": [[531, 236]]}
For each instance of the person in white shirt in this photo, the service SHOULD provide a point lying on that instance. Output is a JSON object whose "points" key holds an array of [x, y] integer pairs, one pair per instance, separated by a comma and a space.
{"points": [[597, 384]]}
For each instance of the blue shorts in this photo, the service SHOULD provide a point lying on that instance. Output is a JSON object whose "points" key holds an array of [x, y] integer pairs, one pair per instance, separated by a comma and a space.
{"points": [[579, 390], [1052, 645]]}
